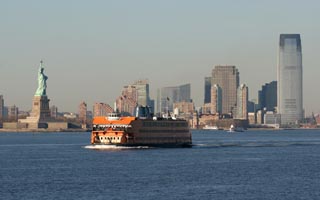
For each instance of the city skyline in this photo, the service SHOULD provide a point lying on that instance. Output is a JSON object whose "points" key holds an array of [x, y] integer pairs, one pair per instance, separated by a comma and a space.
{"points": [[90, 46]]}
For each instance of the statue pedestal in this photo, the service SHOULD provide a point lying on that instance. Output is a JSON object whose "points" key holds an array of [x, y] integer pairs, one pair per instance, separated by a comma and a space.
{"points": [[40, 113], [40, 108]]}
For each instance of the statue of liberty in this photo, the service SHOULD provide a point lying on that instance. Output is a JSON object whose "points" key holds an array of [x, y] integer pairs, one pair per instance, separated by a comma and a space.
{"points": [[42, 82]]}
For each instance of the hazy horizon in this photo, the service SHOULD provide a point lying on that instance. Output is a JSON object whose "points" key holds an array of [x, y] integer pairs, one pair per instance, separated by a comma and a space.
{"points": [[91, 49]]}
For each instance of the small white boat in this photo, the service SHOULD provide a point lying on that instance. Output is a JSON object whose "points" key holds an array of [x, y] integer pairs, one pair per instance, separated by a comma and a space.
{"points": [[235, 129], [208, 127]]}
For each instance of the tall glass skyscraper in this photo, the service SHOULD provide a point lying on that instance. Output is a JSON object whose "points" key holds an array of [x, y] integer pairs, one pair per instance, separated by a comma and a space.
{"points": [[290, 79]]}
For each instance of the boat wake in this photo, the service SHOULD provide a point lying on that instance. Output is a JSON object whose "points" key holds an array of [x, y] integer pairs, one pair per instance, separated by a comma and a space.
{"points": [[113, 147], [257, 144]]}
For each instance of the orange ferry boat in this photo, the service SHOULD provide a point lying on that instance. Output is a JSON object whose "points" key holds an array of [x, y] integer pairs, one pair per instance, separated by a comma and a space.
{"points": [[141, 130]]}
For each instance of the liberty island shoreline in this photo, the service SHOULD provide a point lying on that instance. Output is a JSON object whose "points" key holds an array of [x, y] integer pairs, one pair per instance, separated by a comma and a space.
{"points": [[70, 130], [43, 130]]}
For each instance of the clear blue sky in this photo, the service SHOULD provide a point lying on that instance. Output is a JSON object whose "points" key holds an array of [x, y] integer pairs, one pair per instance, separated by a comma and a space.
{"points": [[91, 49]]}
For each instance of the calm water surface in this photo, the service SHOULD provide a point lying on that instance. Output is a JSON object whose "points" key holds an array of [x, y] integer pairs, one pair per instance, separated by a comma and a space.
{"points": [[221, 165]]}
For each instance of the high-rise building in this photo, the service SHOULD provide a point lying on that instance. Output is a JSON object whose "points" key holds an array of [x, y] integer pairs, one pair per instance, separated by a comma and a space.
{"points": [[143, 94], [290, 102], [142, 88], [101, 109], [1, 108], [83, 112], [168, 95], [268, 96], [207, 89], [216, 99], [165, 98], [227, 77], [128, 101], [242, 102], [184, 93]]}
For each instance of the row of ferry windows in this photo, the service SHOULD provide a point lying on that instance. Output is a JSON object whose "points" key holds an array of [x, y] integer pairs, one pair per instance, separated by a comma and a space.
{"points": [[109, 138], [164, 124]]}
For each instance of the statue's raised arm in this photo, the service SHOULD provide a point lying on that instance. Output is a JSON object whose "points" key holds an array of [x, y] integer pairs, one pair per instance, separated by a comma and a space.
{"points": [[42, 82]]}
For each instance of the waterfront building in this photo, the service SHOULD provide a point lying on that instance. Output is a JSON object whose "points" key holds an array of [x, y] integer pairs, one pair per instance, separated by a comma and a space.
{"points": [[166, 96], [242, 102], [271, 118], [184, 107], [207, 90], [1, 108], [227, 77], [290, 100], [101, 109], [206, 108], [267, 96], [259, 116], [252, 118], [83, 112], [216, 99]]}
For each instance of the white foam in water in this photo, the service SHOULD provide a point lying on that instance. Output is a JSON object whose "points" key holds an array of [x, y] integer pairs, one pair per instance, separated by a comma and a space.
{"points": [[113, 147]]}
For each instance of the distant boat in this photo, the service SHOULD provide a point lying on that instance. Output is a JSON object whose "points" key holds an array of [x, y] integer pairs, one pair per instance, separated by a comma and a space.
{"points": [[235, 129], [208, 127]]}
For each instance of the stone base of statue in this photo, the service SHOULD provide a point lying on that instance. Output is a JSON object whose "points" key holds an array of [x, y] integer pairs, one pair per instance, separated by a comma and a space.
{"points": [[40, 108], [40, 113]]}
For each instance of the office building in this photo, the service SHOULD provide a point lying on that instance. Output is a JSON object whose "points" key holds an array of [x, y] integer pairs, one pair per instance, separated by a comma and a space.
{"points": [[168, 95], [290, 101], [272, 118], [227, 77], [242, 102], [128, 101], [142, 88], [216, 99], [207, 90], [268, 96], [143, 94], [83, 112], [101, 109]]}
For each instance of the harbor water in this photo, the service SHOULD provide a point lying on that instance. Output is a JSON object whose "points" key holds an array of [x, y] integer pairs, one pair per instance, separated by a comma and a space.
{"points": [[282, 164]]}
